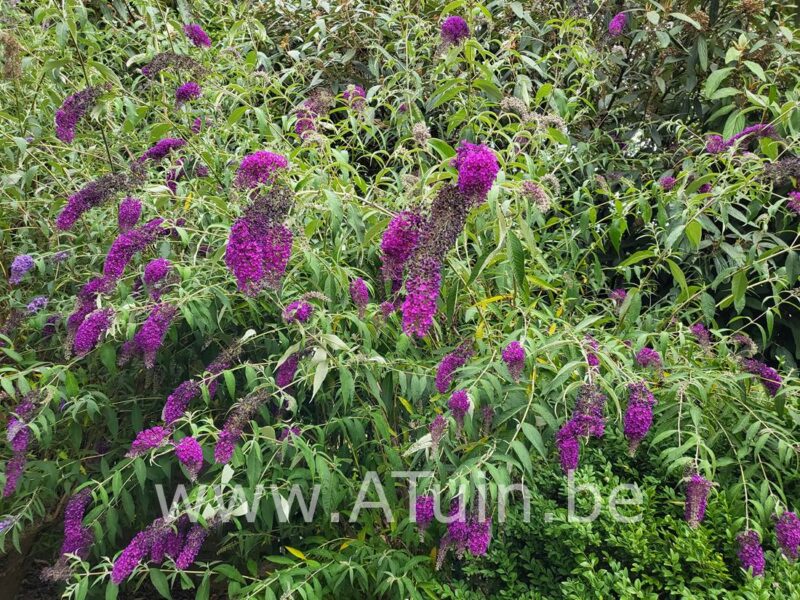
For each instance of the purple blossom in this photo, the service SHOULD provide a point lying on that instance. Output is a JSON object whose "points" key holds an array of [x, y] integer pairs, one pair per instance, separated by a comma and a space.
{"points": [[617, 25], [20, 266], [130, 209], [131, 556], [154, 274], [190, 454], [459, 404], [91, 329], [667, 182], [569, 449], [288, 433], [647, 357], [196, 35], [448, 365], [477, 169], [479, 536], [73, 109], [151, 335], [257, 254], [197, 125], [716, 144], [359, 294], [697, 489], [704, 189], [191, 547], [147, 439], [514, 357], [794, 201], [37, 304], [14, 469], [77, 537], [769, 377], [639, 415], [186, 92], [387, 308], [93, 194], [178, 400], [259, 168], [422, 292], [454, 29], [298, 311], [284, 374], [399, 243], [702, 334], [787, 531], [128, 244], [161, 149], [618, 296], [437, 429], [424, 511], [234, 425], [355, 96], [751, 554]]}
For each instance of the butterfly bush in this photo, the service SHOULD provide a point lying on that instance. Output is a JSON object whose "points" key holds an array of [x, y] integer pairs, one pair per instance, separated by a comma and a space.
{"points": [[477, 169], [197, 35], [94, 194], [355, 97], [787, 532], [298, 311], [616, 27], [73, 109], [514, 358], [128, 244], [234, 425], [639, 415], [190, 455], [20, 267], [697, 488], [398, 245], [769, 377], [454, 30], [161, 149], [148, 439], [751, 554], [152, 332], [91, 330], [186, 92], [130, 209], [155, 272], [450, 363], [587, 420], [359, 294], [459, 404]]}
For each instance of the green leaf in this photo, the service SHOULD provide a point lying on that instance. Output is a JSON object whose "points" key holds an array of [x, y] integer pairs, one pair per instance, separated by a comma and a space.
{"points": [[739, 287], [715, 80], [160, 582]]}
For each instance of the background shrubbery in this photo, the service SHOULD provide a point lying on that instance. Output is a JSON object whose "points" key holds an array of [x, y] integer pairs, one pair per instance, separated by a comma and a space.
{"points": [[594, 121]]}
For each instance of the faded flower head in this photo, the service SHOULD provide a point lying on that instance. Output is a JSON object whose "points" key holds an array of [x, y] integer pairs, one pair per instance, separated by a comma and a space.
{"points": [[534, 192], [697, 489], [420, 133]]}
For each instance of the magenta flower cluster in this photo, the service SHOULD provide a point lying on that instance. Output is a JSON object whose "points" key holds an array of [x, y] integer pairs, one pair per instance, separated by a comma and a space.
{"points": [[130, 209], [257, 254], [616, 26], [648, 358], [129, 243], [359, 294], [161, 149], [697, 489], [73, 109], [190, 455], [716, 144], [148, 439], [477, 169], [639, 415], [155, 273], [151, 335], [751, 554], [514, 358], [448, 365], [298, 311], [355, 97], [768, 376], [398, 245], [186, 92], [197, 35], [787, 532], [587, 420], [454, 30], [260, 168], [459, 404], [91, 330], [20, 267]]}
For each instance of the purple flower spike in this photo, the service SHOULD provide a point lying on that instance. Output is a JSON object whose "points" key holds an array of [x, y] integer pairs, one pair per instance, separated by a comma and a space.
{"points": [[20, 267], [190, 454], [639, 414], [454, 30], [787, 531], [186, 92], [147, 439], [91, 329], [259, 168], [514, 358], [452, 361], [617, 25], [359, 294], [130, 209], [751, 554], [697, 489], [197, 36], [477, 169]]}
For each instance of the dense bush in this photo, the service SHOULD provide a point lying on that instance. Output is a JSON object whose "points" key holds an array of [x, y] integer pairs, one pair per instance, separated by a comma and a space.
{"points": [[292, 244]]}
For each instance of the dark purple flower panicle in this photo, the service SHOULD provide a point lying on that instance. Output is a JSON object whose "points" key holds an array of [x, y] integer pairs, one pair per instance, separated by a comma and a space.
{"points": [[186, 92], [161, 149], [477, 169], [697, 489], [94, 194], [753, 132], [298, 311], [197, 125], [459, 404], [196, 35], [648, 358], [667, 182], [618, 296], [751, 554], [73, 109], [793, 203], [151, 335], [787, 531], [257, 254], [452, 361], [769, 377], [128, 244], [77, 537], [398, 245], [355, 96], [424, 511], [437, 429], [702, 334], [514, 358], [14, 469], [288, 433], [639, 415], [745, 344], [259, 168], [479, 536], [284, 374], [37, 304], [716, 144], [131, 556], [387, 308], [359, 294], [91, 329], [190, 454], [704, 189], [130, 209], [587, 420], [454, 30], [49, 328], [87, 300], [154, 274], [20, 267], [178, 400], [232, 431], [147, 439], [617, 25], [422, 292], [191, 546]]}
